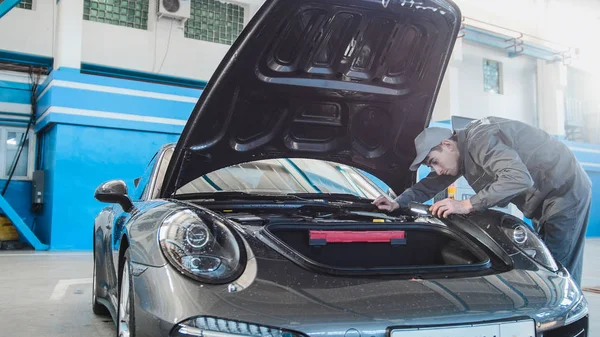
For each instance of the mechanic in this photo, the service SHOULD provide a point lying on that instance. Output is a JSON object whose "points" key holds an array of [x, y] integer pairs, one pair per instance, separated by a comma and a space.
{"points": [[507, 161]]}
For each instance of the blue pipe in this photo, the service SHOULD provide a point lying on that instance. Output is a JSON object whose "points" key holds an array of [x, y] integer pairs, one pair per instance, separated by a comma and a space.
{"points": [[7, 5]]}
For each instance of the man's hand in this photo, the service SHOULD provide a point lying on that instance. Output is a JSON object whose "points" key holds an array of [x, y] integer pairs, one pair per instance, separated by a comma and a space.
{"points": [[449, 206], [385, 204]]}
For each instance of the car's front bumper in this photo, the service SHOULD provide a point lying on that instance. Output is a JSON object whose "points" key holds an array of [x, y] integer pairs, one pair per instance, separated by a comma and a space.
{"points": [[320, 305], [524, 327]]}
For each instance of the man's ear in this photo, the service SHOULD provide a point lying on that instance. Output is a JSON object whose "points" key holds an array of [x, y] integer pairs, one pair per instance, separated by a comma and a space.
{"points": [[448, 144]]}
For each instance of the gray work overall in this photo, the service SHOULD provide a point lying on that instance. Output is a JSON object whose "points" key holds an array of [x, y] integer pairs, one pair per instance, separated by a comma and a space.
{"points": [[508, 161]]}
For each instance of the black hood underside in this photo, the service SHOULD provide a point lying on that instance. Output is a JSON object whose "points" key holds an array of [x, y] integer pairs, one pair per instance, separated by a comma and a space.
{"points": [[349, 81]]}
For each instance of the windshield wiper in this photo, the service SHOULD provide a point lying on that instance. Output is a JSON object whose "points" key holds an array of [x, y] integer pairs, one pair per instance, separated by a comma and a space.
{"points": [[225, 195], [356, 209], [332, 197]]}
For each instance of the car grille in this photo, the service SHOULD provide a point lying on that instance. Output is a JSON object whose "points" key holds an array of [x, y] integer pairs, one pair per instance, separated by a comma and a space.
{"points": [[575, 329]]}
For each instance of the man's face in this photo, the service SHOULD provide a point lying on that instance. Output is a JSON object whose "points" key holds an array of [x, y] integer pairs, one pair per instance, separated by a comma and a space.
{"points": [[444, 161]]}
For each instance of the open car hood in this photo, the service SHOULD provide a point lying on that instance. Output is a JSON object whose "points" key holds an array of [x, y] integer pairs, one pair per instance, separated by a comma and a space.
{"points": [[348, 81]]}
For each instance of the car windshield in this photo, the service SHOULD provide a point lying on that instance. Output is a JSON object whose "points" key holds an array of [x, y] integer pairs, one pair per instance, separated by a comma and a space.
{"points": [[285, 176]]}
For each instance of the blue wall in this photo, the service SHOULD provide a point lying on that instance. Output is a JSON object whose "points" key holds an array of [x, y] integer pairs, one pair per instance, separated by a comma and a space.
{"points": [[94, 129], [84, 157], [48, 164], [594, 223], [12, 92], [589, 157]]}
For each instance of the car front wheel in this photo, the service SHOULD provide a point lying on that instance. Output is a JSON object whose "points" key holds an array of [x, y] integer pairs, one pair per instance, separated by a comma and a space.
{"points": [[126, 322]]}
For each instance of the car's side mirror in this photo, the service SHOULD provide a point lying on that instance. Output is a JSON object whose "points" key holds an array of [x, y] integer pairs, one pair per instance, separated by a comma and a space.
{"points": [[114, 191], [391, 193], [136, 182]]}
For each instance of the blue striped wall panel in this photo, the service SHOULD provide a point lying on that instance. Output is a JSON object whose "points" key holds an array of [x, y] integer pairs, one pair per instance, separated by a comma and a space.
{"points": [[14, 95], [120, 103], [74, 75], [59, 118], [70, 97]]}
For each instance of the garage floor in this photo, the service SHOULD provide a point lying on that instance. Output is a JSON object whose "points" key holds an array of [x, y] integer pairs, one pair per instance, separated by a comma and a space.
{"points": [[48, 294]]}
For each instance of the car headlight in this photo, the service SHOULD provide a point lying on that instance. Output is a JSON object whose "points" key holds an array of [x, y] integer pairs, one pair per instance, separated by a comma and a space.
{"points": [[578, 311], [528, 242], [202, 247]]}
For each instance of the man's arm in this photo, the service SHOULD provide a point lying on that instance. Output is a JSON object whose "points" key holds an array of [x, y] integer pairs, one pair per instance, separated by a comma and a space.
{"points": [[501, 161], [425, 189]]}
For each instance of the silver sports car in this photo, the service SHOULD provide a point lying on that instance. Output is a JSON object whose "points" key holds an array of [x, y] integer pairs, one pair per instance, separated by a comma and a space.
{"points": [[259, 222]]}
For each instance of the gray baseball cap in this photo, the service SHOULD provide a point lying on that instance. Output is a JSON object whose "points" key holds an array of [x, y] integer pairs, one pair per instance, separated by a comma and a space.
{"points": [[427, 140]]}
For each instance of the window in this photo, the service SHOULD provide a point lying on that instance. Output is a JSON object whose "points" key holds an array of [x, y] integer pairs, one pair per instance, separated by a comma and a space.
{"points": [[25, 4], [214, 21], [492, 76], [10, 139], [151, 181], [128, 13], [283, 176]]}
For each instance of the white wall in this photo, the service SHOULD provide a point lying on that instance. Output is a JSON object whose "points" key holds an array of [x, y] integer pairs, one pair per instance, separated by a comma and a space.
{"points": [[518, 81], [572, 23], [162, 44], [550, 96], [67, 40], [518, 15], [519, 84], [32, 32], [29, 31], [448, 101]]}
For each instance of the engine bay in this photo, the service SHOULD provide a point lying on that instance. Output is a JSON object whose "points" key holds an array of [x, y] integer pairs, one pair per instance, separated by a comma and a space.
{"points": [[420, 245]]}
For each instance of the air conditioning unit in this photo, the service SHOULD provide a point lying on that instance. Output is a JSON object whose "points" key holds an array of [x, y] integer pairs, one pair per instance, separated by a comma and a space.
{"points": [[176, 9]]}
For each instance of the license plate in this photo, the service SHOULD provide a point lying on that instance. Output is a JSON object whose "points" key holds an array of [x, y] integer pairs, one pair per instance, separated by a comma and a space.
{"points": [[505, 329]]}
